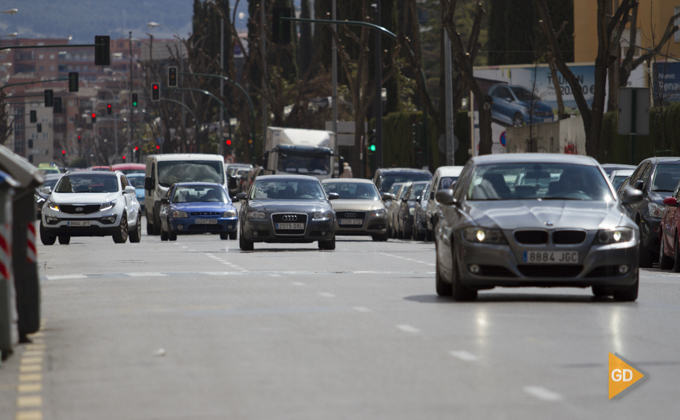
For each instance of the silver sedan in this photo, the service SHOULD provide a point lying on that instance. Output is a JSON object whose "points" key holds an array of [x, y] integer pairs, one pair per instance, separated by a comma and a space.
{"points": [[542, 220]]}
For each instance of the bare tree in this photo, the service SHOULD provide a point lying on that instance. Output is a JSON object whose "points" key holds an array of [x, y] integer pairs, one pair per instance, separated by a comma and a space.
{"points": [[5, 124]]}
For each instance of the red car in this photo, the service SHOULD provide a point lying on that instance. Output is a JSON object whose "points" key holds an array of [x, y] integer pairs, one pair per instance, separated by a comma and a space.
{"points": [[129, 168], [669, 252]]}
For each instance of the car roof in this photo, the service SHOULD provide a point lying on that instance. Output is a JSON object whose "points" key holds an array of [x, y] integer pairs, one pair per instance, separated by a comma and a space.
{"points": [[135, 175], [623, 172], [534, 157], [356, 180], [403, 170], [285, 178], [449, 170], [52, 176], [186, 156], [100, 173], [664, 159], [189, 184]]}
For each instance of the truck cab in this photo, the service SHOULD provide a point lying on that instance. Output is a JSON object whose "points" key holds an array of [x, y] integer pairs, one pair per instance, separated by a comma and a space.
{"points": [[299, 151]]}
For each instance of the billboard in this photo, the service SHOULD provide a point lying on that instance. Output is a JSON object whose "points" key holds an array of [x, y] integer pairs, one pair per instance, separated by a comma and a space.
{"points": [[666, 77]]}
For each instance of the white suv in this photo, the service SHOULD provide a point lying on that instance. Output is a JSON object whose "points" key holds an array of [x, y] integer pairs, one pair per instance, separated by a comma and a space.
{"points": [[91, 203]]}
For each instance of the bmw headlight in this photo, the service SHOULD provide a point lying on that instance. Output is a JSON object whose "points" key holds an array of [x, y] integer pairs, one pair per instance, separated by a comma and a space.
{"points": [[229, 213], [179, 214], [655, 210], [53, 206], [107, 206], [614, 236], [323, 214], [377, 213], [486, 236], [256, 215]]}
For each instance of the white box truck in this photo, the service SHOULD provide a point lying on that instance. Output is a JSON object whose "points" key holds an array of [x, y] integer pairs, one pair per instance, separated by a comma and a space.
{"points": [[300, 151]]}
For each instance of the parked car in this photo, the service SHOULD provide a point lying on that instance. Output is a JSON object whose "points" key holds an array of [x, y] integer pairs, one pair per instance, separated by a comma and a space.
{"points": [[611, 167], [517, 105], [393, 210], [100, 168], [42, 193], [420, 232], [137, 180], [385, 177], [250, 178], [286, 209], [129, 168], [617, 176], [233, 181], [568, 234], [407, 209], [191, 208], [669, 248], [444, 177], [48, 169], [91, 203], [240, 176], [359, 210], [656, 178]]}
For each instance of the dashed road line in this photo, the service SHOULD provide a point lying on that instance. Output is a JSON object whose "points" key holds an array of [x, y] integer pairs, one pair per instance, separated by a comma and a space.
{"points": [[361, 309], [409, 329], [464, 356], [152, 274], [275, 275], [542, 393], [326, 294], [297, 283], [406, 258]]}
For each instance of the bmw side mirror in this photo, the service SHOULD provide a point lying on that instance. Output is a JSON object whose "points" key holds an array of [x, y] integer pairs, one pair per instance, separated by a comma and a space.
{"points": [[671, 202], [240, 196], [432, 195], [418, 198], [129, 190], [639, 185], [445, 197], [388, 197], [165, 200], [46, 189], [148, 183], [632, 196], [333, 196]]}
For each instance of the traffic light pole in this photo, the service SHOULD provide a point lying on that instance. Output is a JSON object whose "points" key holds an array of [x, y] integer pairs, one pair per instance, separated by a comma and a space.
{"points": [[250, 102], [389, 33], [32, 83], [205, 92]]}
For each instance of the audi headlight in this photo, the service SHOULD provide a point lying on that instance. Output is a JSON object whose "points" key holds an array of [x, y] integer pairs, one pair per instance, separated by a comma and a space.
{"points": [[179, 214], [229, 213], [256, 215], [377, 213], [323, 214], [53, 206], [655, 210], [107, 206], [614, 236], [486, 236]]}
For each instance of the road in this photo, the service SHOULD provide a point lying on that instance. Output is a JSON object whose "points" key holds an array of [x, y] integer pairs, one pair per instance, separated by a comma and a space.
{"points": [[197, 329]]}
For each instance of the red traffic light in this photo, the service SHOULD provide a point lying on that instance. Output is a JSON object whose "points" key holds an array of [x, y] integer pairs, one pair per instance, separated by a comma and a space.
{"points": [[63, 152], [94, 115], [154, 86], [123, 157], [158, 147], [228, 142], [108, 106], [136, 148]]}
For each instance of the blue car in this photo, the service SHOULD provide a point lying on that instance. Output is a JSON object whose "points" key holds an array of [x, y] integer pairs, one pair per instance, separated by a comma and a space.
{"points": [[137, 181], [517, 106], [191, 208]]}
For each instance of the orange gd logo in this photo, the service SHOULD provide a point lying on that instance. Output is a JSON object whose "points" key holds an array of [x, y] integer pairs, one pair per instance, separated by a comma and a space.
{"points": [[622, 375]]}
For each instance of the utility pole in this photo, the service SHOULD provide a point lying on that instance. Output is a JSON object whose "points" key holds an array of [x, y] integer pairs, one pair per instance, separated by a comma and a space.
{"points": [[378, 92], [263, 36], [334, 55], [449, 102], [221, 141], [131, 115]]}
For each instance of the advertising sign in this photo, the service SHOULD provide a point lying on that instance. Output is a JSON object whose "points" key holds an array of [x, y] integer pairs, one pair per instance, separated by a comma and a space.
{"points": [[666, 78]]}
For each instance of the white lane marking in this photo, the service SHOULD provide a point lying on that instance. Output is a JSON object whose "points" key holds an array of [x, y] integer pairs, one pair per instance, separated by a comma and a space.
{"points": [[185, 247], [297, 283], [66, 277], [464, 356], [326, 294], [275, 275], [191, 250], [542, 393], [361, 309], [147, 275], [408, 328], [405, 258]]}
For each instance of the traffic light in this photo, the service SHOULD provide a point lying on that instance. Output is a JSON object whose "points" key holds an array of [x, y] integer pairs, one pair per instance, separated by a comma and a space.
{"points": [[63, 152], [134, 100], [370, 144], [57, 105], [102, 50], [73, 81], [123, 159], [33, 116], [39, 128], [228, 142], [158, 148], [155, 92], [79, 138], [109, 109], [49, 98], [94, 118], [281, 29], [172, 76], [136, 149]]}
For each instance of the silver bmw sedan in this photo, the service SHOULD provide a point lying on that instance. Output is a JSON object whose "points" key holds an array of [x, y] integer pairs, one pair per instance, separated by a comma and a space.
{"points": [[543, 220]]}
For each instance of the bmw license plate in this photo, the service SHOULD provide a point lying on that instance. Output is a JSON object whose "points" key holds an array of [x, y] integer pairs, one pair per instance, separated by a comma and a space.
{"points": [[206, 221], [351, 221], [78, 223], [290, 226], [550, 257]]}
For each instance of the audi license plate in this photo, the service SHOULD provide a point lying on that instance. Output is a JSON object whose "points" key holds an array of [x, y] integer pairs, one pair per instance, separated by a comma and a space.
{"points": [[79, 223], [550, 257], [206, 221], [290, 226], [351, 221]]}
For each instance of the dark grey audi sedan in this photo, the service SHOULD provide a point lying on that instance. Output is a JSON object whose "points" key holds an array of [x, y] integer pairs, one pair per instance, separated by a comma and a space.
{"points": [[543, 220], [286, 209]]}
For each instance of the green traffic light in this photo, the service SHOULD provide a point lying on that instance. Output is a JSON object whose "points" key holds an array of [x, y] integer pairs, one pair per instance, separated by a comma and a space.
{"points": [[371, 147]]}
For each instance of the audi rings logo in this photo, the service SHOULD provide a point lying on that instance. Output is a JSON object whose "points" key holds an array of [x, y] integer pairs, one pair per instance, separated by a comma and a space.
{"points": [[350, 215], [79, 209], [289, 218]]}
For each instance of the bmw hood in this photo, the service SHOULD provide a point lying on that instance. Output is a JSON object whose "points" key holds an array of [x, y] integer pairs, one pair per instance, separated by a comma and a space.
{"points": [[83, 198], [298, 206], [550, 214], [356, 205]]}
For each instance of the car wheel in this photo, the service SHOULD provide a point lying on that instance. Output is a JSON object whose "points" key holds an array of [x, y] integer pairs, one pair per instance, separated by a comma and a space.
{"points": [[64, 239], [380, 238], [443, 288], [329, 245], [244, 244], [224, 235], [628, 295], [407, 234], [676, 261], [517, 120], [121, 235], [45, 237], [136, 233], [164, 235], [646, 259], [232, 236], [460, 291], [157, 227], [665, 262], [149, 226], [172, 235], [600, 291]]}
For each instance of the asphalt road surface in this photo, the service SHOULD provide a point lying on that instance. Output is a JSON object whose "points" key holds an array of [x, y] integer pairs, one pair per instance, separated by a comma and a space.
{"points": [[197, 329]]}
